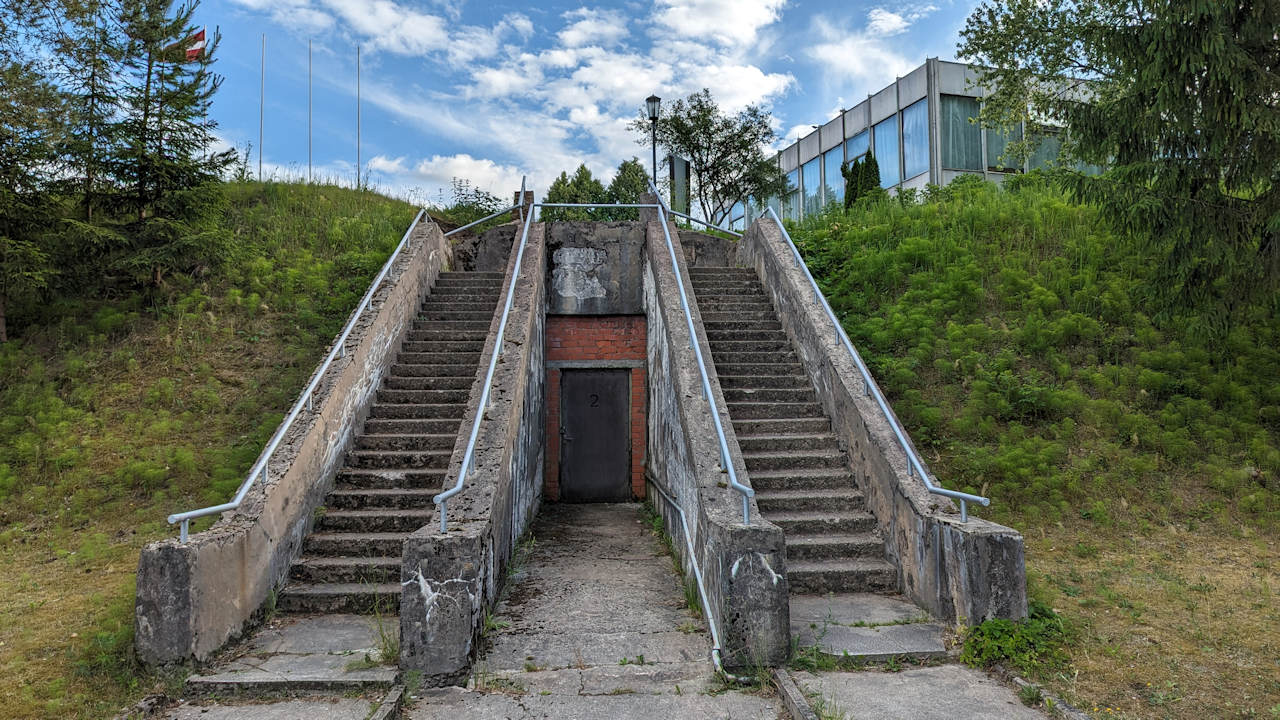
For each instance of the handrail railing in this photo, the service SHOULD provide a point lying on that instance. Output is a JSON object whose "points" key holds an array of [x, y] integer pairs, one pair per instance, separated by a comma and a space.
{"points": [[305, 400], [707, 224], [442, 500], [483, 219], [726, 460], [914, 464]]}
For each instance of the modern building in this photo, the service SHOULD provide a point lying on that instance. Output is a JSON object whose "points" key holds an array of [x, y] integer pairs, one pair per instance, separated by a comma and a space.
{"points": [[921, 129]]}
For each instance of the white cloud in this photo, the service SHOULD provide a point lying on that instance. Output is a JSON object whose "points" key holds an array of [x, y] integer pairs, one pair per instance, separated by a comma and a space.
{"points": [[883, 22], [383, 164], [484, 174], [728, 22], [593, 27], [860, 60]]}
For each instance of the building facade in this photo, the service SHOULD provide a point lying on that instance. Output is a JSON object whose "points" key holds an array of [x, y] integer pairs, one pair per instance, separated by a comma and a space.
{"points": [[921, 129]]}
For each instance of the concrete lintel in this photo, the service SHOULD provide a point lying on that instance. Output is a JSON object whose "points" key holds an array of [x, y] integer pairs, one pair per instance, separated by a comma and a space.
{"points": [[592, 364]]}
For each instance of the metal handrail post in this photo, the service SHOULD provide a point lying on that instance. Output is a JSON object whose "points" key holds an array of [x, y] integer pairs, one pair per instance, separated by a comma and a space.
{"points": [[441, 500], [726, 460], [914, 464], [304, 401]]}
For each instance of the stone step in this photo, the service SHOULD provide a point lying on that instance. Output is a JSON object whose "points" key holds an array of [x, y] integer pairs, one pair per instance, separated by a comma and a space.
{"points": [[722, 325], [423, 397], [406, 459], [775, 369], [390, 478], [738, 315], [791, 459], [767, 394], [347, 498], [411, 427], [374, 521], [741, 346], [821, 522], [466, 359], [752, 357], [434, 370], [354, 544], [359, 570], [699, 272], [468, 281], [805, 500], [452, 325], [437, 335], [841, 576], [431, 308], [734, 303], [484, 292], [444, 313], [727, 288], [477, 274], [426, 382], [388, 441], [802, 479], [451, 411], [755, 410], [442, 346], [763, 381], [834, 547], [358, 598], [717, 336], [786, 441], [780, 426]]}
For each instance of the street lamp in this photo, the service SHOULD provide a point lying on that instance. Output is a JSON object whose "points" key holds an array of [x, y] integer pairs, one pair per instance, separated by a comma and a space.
{"points": [[652, 102]]}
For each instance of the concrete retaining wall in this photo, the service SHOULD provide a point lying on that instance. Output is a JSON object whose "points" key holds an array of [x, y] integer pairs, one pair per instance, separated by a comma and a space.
{"points": [[194, 597], [451, 579], [966, 572], [744, 566]]}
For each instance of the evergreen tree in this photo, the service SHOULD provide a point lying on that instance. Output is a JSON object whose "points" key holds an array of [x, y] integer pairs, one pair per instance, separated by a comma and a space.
{"points": [[581, 188], [870, 176], [851, 171], [629, 183]]}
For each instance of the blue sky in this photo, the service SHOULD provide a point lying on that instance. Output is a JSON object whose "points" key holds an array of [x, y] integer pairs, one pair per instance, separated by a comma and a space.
{"points": [[490, 90]]}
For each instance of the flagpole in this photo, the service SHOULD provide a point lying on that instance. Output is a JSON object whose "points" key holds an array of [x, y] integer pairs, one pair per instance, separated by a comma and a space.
{"points": [[309, 176], [358, 165], [262, 99]]}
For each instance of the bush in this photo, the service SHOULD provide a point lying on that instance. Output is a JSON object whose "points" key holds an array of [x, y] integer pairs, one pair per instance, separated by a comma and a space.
{"points": [[1034, 647]]}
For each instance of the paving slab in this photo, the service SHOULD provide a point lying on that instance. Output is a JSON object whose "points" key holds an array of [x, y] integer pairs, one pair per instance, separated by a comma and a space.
{"points": [[869, 627], [854, 609], [944, 692], [328, 709]]}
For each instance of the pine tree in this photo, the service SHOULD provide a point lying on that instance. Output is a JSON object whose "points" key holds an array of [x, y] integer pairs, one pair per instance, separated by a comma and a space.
{"points": [[870, 176], [581, 188], [629, 183], [851, 171]]}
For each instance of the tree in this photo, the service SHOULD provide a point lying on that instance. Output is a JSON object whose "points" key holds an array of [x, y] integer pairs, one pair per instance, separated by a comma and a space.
{"points": [[628, 185], [581, 188], [1179, 100], [726, 153]]}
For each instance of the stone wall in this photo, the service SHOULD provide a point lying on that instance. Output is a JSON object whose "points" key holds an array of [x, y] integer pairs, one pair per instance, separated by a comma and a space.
{"points": [[706, 250], [743, 566], [193, 597], [450, 579], [966, 572], [594, 268]]}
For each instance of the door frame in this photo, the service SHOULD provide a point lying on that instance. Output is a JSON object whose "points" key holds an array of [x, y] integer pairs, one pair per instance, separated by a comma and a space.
{"points": [[563, 416]]}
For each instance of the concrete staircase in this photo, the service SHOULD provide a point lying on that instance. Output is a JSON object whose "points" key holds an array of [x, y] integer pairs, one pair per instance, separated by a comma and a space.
{"points": [[351, 561], [802, 479]]}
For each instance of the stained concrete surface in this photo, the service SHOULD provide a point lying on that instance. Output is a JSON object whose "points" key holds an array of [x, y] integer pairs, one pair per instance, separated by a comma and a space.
{"points": [[593, 625], [864, 625], [945, 692], [329, 709]]}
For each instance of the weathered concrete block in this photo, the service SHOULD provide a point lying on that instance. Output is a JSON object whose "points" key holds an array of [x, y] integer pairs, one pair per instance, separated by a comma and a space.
{"points": [[594, 268], [442, 601], [966, 572], [192, 598]]}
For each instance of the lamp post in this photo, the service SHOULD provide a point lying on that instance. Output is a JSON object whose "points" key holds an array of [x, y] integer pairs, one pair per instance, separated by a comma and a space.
{"points": [[652, 102]]}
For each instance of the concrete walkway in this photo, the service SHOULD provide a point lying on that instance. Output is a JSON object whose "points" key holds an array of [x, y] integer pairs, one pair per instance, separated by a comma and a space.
{"points": [[943, 692], [594, 626]]}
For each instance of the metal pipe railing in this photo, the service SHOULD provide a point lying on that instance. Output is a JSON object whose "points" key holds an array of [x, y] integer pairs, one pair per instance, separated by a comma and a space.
{"points": [[914, 464], [726, 460], [704, 222], [441, 500], [305, 400], [483, 219]]}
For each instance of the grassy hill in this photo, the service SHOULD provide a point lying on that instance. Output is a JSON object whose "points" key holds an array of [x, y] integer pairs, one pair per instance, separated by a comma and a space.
{"points": [[117, 411], [1137, 451]]}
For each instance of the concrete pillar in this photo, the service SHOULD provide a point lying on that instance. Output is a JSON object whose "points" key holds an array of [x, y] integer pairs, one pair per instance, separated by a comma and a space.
{"points": [[526, 205]]}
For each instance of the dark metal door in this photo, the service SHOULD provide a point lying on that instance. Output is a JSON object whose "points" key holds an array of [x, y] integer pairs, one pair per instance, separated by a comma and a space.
{"points": [[595, 437]]}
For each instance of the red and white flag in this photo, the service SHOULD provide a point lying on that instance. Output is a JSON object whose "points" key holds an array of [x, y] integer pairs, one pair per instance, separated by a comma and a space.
{"points": [[192, 47]]}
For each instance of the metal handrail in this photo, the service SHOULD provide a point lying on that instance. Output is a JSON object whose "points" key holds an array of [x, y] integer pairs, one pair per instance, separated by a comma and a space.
{"points": [[704, 222], [483, 219], [726, 461], [873, 390], [305, 400], [442, 500]]}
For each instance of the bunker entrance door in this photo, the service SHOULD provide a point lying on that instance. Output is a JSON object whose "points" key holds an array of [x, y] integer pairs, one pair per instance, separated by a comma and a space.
{"points": [[595, 438]]}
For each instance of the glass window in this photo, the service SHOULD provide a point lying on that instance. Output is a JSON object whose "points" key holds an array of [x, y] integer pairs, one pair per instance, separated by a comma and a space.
{"points": [[1046, 152], [915, 139], [998, 159], [737, 217], [961, 138], [856, 146], [811, 178], [886, 140], [832, 180], [791, 201]]}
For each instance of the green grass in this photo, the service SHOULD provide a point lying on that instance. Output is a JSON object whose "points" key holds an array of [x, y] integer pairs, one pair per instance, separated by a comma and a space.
{"points": [[118, 410]]}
